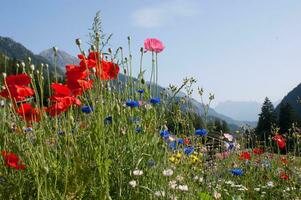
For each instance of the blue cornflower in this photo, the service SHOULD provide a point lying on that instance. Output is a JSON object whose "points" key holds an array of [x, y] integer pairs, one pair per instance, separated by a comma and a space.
{"points": [[87, 109], [180, 141], [172, 145], [132, 103], [155, 100], [138, 130], [229, 145], [28, 129], [60, 132], [140, 91], [237, 172], [108, 120], [165, 134], [188, 150], [202, 132]]}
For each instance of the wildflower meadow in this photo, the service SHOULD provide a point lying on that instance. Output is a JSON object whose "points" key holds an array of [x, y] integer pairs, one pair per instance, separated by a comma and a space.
{"points": [[102, 132]]}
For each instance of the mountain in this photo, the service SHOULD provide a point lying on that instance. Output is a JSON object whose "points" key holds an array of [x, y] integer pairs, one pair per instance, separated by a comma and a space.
{"points": [[240, 110], [63, 58], [292, 98], [16, 51]]}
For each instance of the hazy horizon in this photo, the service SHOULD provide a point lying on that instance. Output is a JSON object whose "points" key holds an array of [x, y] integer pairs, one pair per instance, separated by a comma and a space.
{"points": [[239, 50]]}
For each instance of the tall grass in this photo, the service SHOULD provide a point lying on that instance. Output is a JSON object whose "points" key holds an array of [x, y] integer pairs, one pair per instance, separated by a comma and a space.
{"points": [[117, 152]]}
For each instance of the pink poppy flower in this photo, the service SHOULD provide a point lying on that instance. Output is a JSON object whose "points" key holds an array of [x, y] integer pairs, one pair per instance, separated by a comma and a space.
{"points": [[153, 45]]}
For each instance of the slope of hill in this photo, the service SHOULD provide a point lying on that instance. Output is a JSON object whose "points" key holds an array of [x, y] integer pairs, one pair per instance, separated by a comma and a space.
{"points": [[17, 51], [63, 58], [292, 98], [240, 110]]}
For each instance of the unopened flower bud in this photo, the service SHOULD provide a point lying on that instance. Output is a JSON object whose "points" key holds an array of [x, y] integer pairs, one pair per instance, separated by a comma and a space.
{"points": [[38, 71], [97, 36], [55, 50], [141, 49], [78, 42], [93, 70], [42, 65], [46, 65], [32, 67], [4, 75], [29, 59], [93, 48], [110, 50], [17, 65], [129, 37], [22, 64], [2, 103]]}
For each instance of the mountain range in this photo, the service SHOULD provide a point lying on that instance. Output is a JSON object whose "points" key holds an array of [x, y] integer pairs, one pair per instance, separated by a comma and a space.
{"points": [[17, 51], [63, 58], [242, 110]]}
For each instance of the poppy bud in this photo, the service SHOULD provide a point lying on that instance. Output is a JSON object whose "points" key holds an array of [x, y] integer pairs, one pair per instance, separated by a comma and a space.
{"points": [[29, 59], [124, 71], [141, 49], [46, 66], [142, 81], [4, 75], [17, 65], [42, 65], [126, 59], [97, 36], [2, 103], [37, 71], [129, 38], [22, 64], [93, 47], [55, 49], [93, 70], [32, 67], [78, 42], [110, 50]]}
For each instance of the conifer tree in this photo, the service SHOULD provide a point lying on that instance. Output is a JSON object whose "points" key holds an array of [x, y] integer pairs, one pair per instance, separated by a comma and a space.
{"points": [[267, 118]]}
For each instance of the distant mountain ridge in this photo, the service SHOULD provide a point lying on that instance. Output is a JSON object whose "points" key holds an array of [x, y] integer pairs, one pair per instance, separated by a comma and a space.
{"points": [[63, 58], [15, 50], [240, 110]]}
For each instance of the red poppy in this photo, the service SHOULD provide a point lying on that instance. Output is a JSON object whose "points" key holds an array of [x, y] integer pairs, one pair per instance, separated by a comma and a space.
{"points": [[28, 113], [245, 156], [109, 70], [186, 141], [12, 160], [76, 79], [86, 62], [62, 99], [258, 151], [284, 176], [280, 141], [17, 87], [104, 70]]}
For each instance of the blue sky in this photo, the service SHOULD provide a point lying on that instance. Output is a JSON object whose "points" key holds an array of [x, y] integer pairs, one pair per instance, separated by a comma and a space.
{"points": [[241, 50]]}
